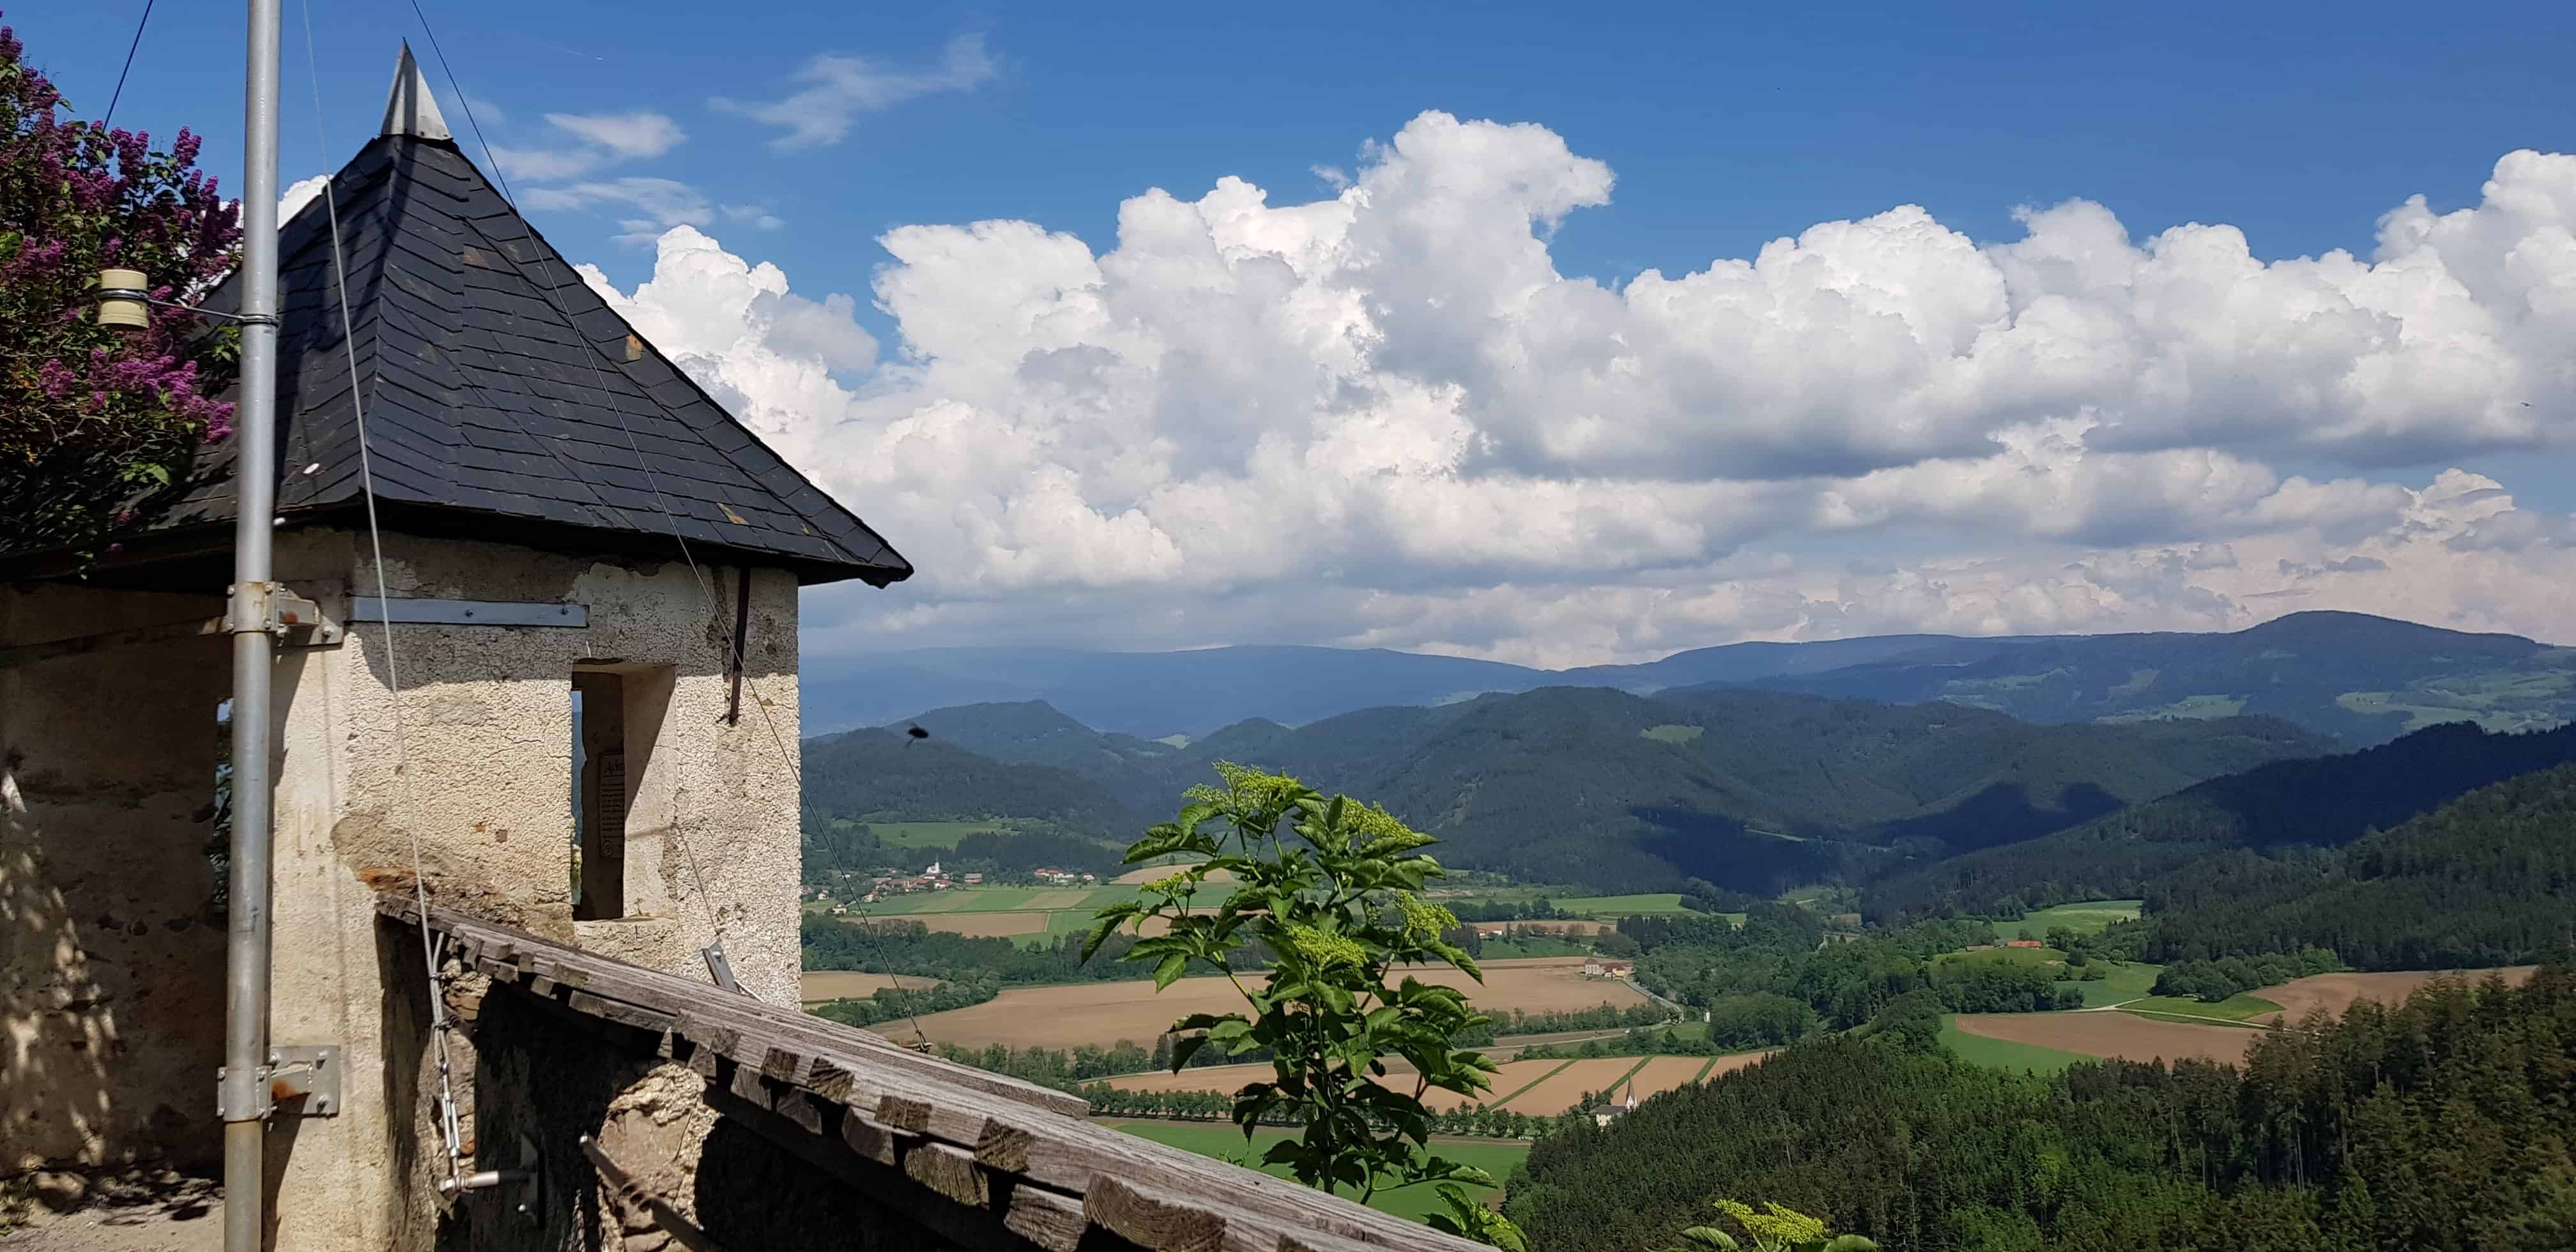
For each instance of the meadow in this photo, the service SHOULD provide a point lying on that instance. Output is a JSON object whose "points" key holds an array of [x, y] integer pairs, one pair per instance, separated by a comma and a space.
{"points": [[2086, 918]]}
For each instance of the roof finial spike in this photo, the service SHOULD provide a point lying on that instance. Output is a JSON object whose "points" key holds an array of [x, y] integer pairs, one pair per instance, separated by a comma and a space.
{"points": [[410, 109]]}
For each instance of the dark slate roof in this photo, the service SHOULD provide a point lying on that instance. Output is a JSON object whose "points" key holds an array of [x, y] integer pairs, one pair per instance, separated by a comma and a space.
{"points": [[503, 397]]}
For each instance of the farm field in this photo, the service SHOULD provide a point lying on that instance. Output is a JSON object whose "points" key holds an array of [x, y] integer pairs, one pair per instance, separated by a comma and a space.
{"points": [[2126, 1036], [2238, 1008], [930, 834], [1564, 1089], [2004, 1053], [984, 925], [2088, 917], [1494, 1156], [1554, 927], [1148, 873], [2335, 992], [1539, 1088], [1624, 906], [2127, 981], [839, 984], [1103, 1013]]}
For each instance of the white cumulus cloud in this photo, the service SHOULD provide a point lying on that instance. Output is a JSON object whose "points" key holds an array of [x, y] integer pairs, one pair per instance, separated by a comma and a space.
{"points": [[1386, 417]]}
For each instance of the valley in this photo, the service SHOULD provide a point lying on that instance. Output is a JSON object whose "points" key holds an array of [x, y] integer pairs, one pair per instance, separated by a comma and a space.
{"points": [[1713, 895]]}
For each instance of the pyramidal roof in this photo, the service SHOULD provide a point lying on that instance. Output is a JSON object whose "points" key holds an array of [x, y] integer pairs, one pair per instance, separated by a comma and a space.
{"points": [[502, 397]]}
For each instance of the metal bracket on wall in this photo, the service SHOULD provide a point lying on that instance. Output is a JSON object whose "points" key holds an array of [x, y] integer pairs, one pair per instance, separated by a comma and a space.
{"points": [[308, 1072], [295, 621]]}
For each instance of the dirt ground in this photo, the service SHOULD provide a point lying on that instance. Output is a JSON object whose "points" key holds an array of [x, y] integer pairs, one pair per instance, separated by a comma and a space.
{"points": [[2126, 1036], [837, 984], [1105, 1012], [2334, 993], [168, 1213]]}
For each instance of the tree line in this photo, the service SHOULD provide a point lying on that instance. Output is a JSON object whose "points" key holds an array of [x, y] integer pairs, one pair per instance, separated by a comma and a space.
{"points": [[2443, 1125]]}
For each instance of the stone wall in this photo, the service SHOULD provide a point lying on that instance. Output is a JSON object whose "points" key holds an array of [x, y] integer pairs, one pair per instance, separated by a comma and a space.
{"points": [[111, 922], [114, 994]]}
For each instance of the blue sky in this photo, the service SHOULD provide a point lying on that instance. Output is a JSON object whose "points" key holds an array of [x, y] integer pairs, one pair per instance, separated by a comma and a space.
{"points": [[2298, 125]]}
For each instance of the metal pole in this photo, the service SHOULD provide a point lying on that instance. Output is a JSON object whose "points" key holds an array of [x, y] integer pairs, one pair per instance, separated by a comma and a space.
{"points": [[243, 1097]]}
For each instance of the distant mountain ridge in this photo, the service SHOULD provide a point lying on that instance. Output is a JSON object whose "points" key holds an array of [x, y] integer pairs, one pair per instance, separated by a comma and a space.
{"points": [[2362, 679], [1743, 789]]}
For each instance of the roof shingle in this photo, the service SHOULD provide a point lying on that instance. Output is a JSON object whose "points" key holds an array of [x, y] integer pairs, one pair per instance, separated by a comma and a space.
{"points": [[497, 383]]}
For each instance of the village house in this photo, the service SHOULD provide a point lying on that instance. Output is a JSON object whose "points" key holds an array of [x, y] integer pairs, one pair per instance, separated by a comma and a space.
{"points": [[1608, 967], [500, 1018], [2023, 943]]}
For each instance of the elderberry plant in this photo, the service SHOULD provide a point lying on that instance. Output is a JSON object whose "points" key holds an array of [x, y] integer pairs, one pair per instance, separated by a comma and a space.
{"points": [[1329, 888]]}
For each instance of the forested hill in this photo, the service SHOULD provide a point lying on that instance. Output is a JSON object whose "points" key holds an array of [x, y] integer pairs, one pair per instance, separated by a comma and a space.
{"points": [[1748, 790], [2441, 1126], [2325, 802], [2488, 879], [876, 775]]}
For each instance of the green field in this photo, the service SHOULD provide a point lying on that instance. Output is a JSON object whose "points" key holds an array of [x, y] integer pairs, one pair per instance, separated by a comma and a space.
{"points": [[1622, 906], [2089, 917], [2007, 956], [2003, 1053], [1494, 1156], [1672, 733], [930, 834], [2127, 982], [2241, 1008]]}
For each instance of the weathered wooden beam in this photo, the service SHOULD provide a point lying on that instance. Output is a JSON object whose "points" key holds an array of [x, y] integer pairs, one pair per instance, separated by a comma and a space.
{"points": [[942, 1220], [1157, 1222], [951, 1171], [1048, 1219]]}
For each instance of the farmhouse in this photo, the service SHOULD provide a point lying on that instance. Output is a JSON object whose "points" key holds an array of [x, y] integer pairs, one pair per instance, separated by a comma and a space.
{"points": [[522, 860], [2023, 943], [1608, 967]]}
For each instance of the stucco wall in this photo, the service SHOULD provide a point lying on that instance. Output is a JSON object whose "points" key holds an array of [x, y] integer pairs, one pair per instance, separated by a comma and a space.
{"points": [[111, 991], [486, 727], [111, 937]]}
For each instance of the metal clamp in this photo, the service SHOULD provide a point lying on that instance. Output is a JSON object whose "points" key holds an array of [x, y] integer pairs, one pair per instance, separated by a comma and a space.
{"points": [[272, 608], [306, 1072]]}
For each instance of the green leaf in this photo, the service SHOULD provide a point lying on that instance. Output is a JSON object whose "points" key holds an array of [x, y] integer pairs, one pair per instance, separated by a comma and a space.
{"points": [[1170, 969]]}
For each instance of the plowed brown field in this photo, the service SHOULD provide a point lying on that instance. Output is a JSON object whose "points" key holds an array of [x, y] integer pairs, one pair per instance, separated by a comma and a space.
{"points": [[2126, 1036], [1103, 1013], [838, 984], [1565, 1089], [2335, 992]]}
